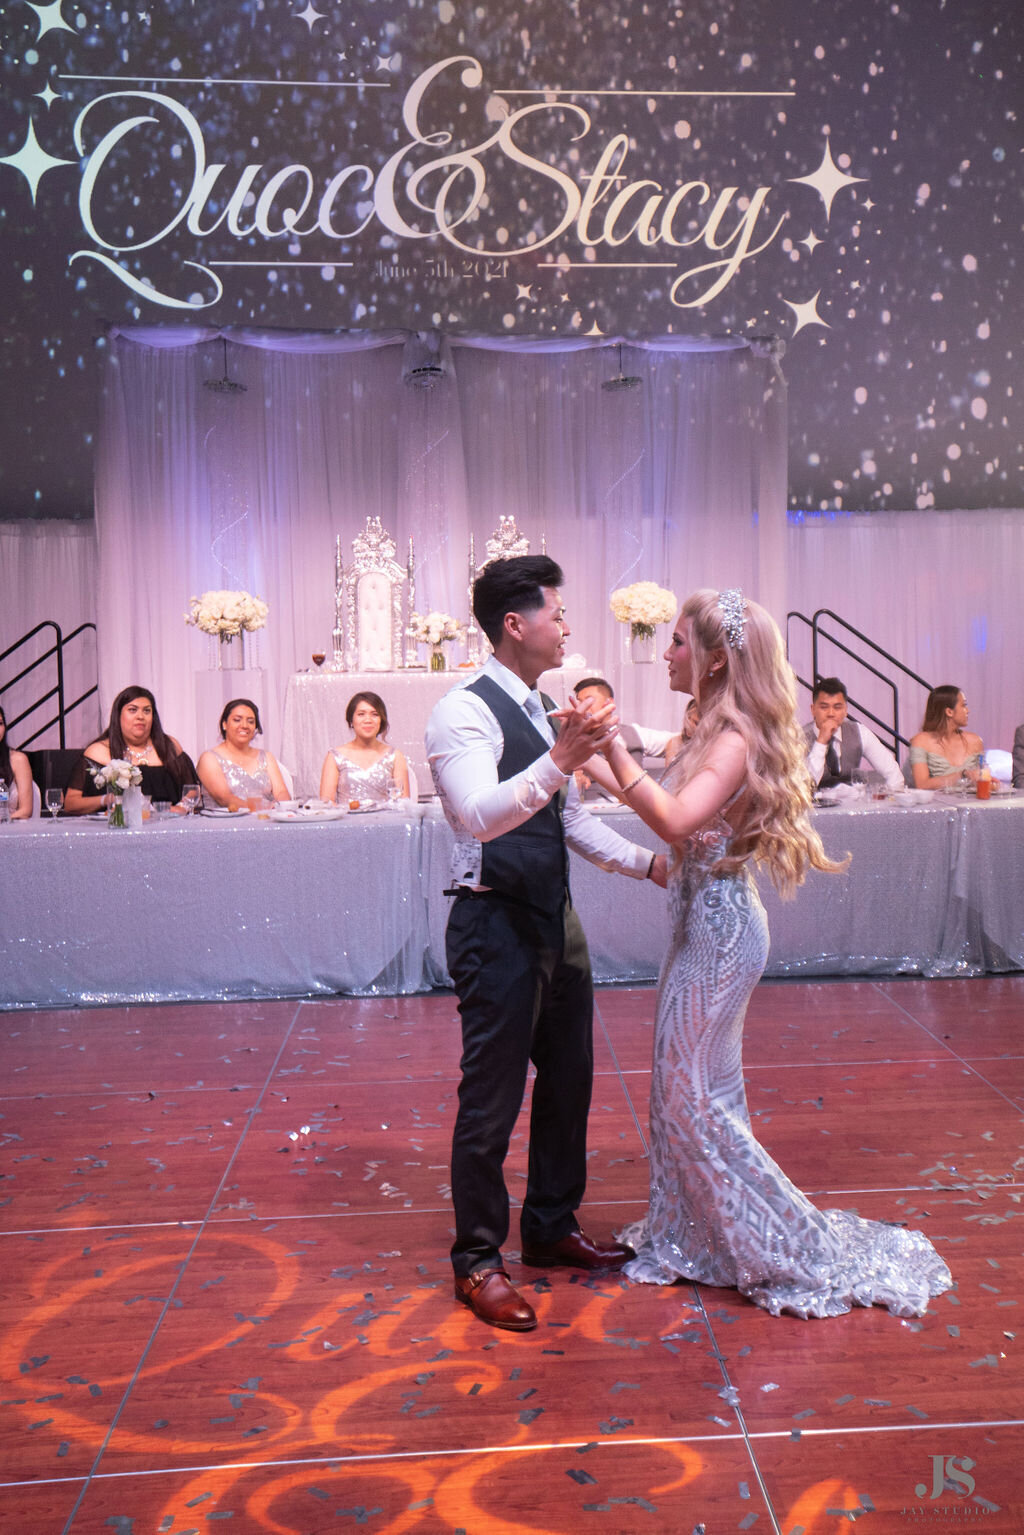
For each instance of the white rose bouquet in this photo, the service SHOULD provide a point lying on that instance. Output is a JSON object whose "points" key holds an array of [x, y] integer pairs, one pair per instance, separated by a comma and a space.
{"points": [[114, 777], [642, 606], [434, 628], [226, 613]]}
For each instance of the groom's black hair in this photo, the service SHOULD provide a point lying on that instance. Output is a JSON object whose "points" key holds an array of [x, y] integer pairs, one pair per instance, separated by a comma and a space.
{"points": [[512, 586]]}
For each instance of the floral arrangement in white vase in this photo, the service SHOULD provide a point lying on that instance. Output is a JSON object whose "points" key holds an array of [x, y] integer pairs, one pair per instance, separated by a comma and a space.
{"points": [[115, 777], [226, 613], [642, 606], [435, 630]]}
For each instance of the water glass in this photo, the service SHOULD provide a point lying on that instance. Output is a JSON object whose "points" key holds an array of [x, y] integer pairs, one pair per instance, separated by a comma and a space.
{"points": [[191, 797], [394, 795], [54, 802]]}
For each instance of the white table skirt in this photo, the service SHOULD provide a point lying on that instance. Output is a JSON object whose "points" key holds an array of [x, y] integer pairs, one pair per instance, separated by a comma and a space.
{"points": [[314, 714], [210, 909], [219, 909], [889, 914]]}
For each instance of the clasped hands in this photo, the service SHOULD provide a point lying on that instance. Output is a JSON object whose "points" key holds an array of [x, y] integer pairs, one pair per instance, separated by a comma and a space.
{"points": [[582, 733]]}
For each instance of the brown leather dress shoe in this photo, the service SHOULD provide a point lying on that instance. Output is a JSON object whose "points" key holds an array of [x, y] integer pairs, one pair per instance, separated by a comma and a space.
{"points": [[490, 1296], [577, 1251]]}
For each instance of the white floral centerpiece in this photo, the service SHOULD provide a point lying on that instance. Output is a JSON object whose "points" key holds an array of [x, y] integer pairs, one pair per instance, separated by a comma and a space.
{"points": [[642, 606], [435, 630], [115, 777], [226, 613]]}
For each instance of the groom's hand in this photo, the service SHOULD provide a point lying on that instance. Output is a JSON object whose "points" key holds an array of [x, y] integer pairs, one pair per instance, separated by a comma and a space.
{"points": [[659, 873], [581, 734]]}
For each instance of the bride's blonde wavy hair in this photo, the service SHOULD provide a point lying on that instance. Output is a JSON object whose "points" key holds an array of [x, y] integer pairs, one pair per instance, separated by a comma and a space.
{"points": [[757, 699]]}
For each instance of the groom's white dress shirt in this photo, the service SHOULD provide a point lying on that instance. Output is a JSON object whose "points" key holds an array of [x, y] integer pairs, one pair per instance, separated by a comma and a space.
{"points": [[464, 746]]}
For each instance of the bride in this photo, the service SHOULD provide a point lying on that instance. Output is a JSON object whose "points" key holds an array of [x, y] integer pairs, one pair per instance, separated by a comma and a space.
{"points": [[721, 1211]]}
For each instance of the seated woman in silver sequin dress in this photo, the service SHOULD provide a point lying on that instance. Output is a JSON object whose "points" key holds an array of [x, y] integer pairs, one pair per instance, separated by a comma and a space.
{"points": [[369, 764], [236, 775], [722, 1212], [943, 751]]}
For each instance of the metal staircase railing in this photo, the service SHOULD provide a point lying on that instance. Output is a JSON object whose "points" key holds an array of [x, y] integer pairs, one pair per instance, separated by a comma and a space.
{"points": [[887, 727], [56, 650]]}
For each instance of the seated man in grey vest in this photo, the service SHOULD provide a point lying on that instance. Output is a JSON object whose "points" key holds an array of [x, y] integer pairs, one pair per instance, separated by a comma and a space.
{"points": [[839, 746], [595, 779]]}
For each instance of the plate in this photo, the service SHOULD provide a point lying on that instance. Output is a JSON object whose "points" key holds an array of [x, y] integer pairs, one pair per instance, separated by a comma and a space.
{"points": [[222, 811], [300, 816], [914, 797], [366, 809]]}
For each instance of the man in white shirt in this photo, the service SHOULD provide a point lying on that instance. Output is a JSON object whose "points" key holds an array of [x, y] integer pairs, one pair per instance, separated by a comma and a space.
{"points": [[515, 947], [839, 745]]}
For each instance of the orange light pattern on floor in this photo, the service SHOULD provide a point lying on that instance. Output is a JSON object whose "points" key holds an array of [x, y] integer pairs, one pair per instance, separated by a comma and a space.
{"points": [[226, 1294]]}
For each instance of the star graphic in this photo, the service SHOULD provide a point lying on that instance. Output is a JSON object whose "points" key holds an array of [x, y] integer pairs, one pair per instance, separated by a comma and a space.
{"points": [[595, 330], [868, 204], [524, 290], [309, 15], [32, 160], [50, 18], [48, 96], [828, 179], [807, 314], [812, 242]]}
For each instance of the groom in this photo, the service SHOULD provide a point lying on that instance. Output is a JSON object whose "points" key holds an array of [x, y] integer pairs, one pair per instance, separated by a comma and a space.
{"points": [[516, 950]]}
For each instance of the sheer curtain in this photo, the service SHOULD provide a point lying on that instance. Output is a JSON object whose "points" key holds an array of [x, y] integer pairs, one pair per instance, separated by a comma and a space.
{"points": [[939, 590], [199, 487], [48, 572]]}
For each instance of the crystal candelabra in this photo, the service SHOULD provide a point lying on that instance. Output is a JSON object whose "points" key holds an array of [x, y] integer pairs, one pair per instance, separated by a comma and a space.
{"points": [[338, 632], [472, 632], [412, 654]]}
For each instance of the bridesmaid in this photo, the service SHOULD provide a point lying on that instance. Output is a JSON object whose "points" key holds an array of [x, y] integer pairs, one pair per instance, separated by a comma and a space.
{"points": [[235, 774], [14, 768], [371, 765], [134, 735]]}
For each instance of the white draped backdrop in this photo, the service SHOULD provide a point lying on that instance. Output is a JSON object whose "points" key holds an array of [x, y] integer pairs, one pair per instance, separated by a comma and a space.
{"points": [[680, 481]]}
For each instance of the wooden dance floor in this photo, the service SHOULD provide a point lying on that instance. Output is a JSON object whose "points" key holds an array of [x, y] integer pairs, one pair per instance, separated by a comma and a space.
{"points": [[226, 1294]]}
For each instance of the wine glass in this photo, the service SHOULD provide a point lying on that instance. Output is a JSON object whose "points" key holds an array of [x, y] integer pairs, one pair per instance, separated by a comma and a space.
{"points": [[191, 795], [54, 802], [394, 794], [319, 657]]}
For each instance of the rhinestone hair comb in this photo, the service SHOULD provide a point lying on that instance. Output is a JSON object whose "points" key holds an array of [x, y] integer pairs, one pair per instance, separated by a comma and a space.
{"points": [[733, 608]]}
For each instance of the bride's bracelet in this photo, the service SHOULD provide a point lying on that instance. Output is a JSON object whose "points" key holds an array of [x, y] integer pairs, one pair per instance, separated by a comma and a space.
{"points": [[626, 787]]}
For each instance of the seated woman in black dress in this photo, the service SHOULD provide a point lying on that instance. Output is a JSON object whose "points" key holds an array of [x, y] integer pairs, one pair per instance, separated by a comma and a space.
{"points": [[16, 773], [134, 735]]}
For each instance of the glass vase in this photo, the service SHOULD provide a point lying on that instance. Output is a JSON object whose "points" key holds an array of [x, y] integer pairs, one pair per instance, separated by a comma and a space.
{"points": [[643, 644], [231, 652], [438, 659], [115, 813]]}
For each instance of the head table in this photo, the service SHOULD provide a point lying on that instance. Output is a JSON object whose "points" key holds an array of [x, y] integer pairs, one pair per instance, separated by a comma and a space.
{"points": [[314, 713], [215, 908]]}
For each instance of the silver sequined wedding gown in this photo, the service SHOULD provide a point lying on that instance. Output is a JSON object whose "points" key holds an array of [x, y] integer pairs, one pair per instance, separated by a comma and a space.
{"points": [[721, 1211]]}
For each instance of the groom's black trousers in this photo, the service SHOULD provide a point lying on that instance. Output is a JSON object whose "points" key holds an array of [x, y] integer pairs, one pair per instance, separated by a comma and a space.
{"points": [[525, 994]]}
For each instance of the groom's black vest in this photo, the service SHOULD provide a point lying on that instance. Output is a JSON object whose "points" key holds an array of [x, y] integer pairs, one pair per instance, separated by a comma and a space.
{"points": [[529, 864]]}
